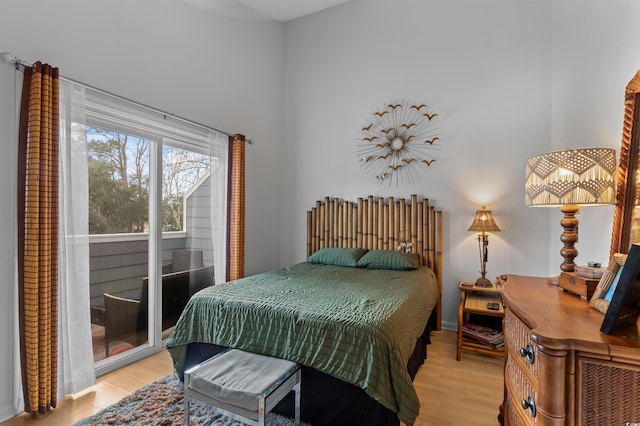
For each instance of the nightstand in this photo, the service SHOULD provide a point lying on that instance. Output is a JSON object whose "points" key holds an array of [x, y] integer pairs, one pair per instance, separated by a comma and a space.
{"points": [[474, 300]]}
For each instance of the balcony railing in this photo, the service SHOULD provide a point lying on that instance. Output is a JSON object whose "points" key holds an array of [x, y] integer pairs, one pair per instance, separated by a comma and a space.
{"points": [[119, 262]]}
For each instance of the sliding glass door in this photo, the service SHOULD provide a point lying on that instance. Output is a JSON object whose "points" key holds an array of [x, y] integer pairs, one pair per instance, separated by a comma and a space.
{"points": [[150, 225]]}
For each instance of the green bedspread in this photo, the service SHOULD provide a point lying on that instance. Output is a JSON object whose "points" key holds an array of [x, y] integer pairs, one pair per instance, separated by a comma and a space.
{"points": [[358, 325]]}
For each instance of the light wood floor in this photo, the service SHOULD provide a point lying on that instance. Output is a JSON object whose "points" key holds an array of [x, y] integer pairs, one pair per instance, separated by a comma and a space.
{"points": [[109, 388], [466, 392]]}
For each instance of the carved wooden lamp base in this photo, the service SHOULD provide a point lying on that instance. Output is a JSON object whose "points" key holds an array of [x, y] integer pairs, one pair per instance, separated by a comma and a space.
{"points": [[569, 236]]}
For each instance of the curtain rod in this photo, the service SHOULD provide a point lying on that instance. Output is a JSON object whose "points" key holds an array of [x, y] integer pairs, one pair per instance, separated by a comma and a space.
{"points": [[17, 62]]}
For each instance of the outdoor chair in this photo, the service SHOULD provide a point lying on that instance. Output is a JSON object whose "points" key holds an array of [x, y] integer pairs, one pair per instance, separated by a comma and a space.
{"points": [[121, 321]]}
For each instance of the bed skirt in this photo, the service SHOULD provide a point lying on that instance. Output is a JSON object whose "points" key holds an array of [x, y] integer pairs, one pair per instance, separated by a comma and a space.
{"points": [[327, 401]]}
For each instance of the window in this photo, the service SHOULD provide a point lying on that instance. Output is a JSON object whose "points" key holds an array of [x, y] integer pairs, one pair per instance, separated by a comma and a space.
{"points": [[118, 182]]}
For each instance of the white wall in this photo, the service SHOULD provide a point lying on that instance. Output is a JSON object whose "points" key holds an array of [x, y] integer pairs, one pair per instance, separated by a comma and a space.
{"points": [[509, 80], [486, 71], [595, 54], [218, 71]]}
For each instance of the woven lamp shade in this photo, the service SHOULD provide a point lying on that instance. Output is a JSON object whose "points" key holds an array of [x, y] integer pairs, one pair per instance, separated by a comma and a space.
{"points": [[483, 222], [570, 179], [574, 176]]}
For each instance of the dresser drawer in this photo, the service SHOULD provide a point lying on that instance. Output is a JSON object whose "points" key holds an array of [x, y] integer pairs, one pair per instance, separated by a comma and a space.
{"points": [[514, 414], [519, 342], [521, 389]]}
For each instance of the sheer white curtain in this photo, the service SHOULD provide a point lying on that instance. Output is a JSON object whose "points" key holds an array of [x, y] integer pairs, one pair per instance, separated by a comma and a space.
{"points": [[75, 353], [219, 153], [18, 401]]}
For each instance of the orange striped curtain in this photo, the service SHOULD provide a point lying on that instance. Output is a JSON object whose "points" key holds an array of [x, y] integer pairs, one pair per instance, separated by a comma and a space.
{"points": [[38, 236], [236, 203]]}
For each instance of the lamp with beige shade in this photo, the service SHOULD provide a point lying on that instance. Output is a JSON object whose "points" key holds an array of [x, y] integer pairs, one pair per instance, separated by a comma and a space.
{"points": [[570, 179], [483, 222]]}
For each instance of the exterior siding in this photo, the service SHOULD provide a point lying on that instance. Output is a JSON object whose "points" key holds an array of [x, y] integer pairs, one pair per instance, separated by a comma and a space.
{"points": [[118, 267], [198, 221]]}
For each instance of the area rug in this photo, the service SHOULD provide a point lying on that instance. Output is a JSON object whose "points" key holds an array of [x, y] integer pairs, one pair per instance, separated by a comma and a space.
{"points": [[160, 403]]}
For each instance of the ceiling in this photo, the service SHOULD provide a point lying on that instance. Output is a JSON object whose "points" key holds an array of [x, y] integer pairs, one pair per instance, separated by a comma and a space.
{"points": [[279, 10]]}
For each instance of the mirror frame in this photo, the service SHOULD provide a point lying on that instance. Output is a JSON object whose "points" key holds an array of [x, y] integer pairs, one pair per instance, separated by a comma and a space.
{"points": [[626, 186]]}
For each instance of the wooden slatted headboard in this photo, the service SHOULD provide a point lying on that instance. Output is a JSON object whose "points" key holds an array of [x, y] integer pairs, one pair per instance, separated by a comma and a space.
{"points": [[379, 224]]}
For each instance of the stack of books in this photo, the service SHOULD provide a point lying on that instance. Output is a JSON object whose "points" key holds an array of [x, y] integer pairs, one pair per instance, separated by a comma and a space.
{"points": [[484, 335], [588, 272]]}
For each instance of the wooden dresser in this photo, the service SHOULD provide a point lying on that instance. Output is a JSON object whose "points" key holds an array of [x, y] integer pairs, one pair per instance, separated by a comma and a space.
{"points": [[560, 369]]}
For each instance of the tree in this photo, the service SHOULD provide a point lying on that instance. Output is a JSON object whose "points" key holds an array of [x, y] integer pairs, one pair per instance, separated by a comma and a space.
{"points": [[181, 170], [119, 182], [118, 190]]}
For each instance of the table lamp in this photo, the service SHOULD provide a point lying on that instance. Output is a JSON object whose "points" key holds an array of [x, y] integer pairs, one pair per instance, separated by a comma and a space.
{"points": [[569, 179], [483, 222]]}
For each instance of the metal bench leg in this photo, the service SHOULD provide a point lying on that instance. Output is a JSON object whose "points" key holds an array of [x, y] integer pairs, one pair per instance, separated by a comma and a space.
{"points": [[296, 389], [261, 411], [186, 412]]}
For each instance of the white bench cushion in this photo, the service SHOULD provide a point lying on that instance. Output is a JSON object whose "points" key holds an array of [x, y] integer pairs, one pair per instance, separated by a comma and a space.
{"points": [[238, 378]]}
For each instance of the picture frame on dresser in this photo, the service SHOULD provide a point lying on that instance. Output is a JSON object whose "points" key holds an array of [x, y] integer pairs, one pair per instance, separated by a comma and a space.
{"points": [[624, 309], [604, 291]]}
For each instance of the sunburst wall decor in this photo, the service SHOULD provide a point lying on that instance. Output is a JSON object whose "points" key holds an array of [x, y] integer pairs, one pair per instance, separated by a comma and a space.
{"points": [[398, 142]]}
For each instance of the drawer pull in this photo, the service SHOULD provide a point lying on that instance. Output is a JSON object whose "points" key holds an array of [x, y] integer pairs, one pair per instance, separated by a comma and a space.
{"points": [[527, 352], [529, 404]]}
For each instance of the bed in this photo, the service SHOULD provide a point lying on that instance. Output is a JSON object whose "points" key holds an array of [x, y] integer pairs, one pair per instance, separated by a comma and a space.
{"points": [[356, 315]]}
